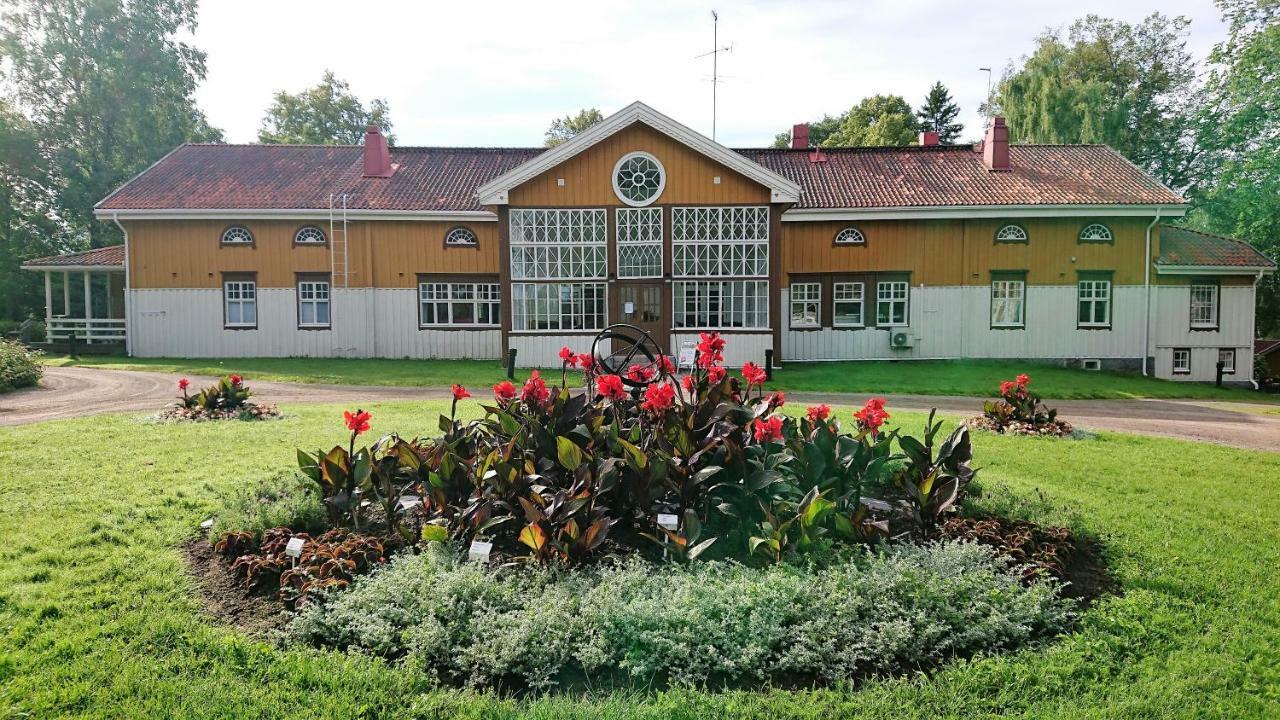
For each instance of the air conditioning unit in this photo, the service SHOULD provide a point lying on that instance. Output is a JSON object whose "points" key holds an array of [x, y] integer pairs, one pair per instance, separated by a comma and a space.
{"points": [[899, 339]]}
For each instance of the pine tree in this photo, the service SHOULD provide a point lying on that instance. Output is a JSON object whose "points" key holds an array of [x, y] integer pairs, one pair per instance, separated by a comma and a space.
{"points": [[938, 113]]}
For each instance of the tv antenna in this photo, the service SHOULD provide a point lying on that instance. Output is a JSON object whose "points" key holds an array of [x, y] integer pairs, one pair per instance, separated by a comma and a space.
{"points": [[715, 58], [986, 102]]}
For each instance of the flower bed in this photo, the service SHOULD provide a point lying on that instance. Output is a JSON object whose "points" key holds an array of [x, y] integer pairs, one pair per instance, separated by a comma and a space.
{"points": [[1019, 411], [228, 399]]}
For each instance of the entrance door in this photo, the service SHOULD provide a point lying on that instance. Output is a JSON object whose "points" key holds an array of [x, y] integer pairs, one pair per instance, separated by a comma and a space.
{"points": [[640, 304]]}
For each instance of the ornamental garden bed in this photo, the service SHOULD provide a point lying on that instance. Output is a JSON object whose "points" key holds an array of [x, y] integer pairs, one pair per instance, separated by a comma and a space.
{"points": [[1020, 411], [227, 399], [645, 531]]}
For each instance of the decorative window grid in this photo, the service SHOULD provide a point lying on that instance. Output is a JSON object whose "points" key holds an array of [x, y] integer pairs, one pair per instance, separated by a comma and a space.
{"points": [[1008, 301], [1094, 298], [461, 237], [1204, 306], [442, 304], [237, 235], [1181, 361], [891, 303], [847, 304], [638, 179], [720, 241], [721, 304], [806, 304], [1227, 356], [309, 235], [557, 306], [639, 242], [1096, 232], [240, 301], [558, 244], [1011, 233], [851, 236], [313, 303]]}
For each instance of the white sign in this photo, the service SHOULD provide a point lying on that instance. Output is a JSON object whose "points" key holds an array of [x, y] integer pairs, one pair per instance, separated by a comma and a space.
{"points": [[628, 308], [479, 551], [686, 355], [670, 522], [294, 548], [206, 524]]}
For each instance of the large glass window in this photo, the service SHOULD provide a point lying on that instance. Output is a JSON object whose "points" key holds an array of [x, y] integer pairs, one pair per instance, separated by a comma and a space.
{"points": [[1094, 299], [720, 241], [313, 303], [1204, 306], [557, 306], [806, 301], [1008, 301], [721, 304], [846, 304], [240, 303], [458, 304], [891, 303], [558, 244], [639, 242]]}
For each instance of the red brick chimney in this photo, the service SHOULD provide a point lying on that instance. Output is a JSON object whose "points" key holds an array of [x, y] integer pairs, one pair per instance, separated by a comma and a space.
{"points": [[928, 138], [995, 147], [377, 158], [800, 136]]}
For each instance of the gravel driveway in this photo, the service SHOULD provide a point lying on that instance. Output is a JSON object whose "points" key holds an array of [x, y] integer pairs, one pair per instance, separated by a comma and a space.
{"points": [[73, 392]]}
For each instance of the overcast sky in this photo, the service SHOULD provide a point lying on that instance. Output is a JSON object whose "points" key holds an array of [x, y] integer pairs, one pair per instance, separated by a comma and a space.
{"points": [[496, 73]]}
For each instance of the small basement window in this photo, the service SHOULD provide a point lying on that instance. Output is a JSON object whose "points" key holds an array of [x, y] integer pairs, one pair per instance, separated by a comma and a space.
{"points": [[1181, 361], [1093, 364], [1227, 356]]}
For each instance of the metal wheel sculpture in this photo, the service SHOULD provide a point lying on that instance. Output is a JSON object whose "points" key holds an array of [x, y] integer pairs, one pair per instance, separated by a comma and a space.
{"points": [[631, 347]]}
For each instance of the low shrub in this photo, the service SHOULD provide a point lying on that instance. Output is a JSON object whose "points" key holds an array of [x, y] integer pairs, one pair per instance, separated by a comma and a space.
{"points": [[283, 501], [899, 608], [227, 399], [1020, 411], [18, 366]]}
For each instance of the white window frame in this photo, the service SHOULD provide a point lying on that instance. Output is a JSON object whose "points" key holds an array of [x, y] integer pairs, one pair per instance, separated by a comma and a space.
{"points": [[1096, 232], [307, 234], [850, 236], [1012, 233], [1183, 368], [525, 295], [234, 293], [315, 288], [720, 242], [803, 295], [1227, 368], [726, 300], [236, 231], [559, 245], [1210, 303], [1095, 285], [662, 179], [837, 289], [461, 237], [1009, 290], [639, 231], [485, 298], [887, 294]]}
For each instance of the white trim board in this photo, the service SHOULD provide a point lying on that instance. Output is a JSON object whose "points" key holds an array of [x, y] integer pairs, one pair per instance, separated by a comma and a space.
{"points": [[947, 212], [294, 214], [1213, 269]]}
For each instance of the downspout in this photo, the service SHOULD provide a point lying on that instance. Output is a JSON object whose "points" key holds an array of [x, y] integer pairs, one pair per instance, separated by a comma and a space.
{"points": [[1146, 288], [128, 330], [1256, 280]]}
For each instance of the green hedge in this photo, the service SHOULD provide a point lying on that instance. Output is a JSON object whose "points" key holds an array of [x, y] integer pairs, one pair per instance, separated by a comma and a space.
{"points": [[18, 366]]}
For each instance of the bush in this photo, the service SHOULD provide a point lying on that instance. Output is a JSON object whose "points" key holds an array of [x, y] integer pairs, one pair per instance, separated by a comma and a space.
{"points": [[287, 501], [18, 366], [897, 609]]}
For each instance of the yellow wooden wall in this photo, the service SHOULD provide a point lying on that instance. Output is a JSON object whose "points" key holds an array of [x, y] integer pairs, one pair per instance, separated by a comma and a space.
{"points": [[588, 176]]}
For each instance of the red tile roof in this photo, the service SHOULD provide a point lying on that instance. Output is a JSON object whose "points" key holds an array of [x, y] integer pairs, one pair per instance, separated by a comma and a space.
{"points": [[111, 256], [1265, 347], [1183, 246]]}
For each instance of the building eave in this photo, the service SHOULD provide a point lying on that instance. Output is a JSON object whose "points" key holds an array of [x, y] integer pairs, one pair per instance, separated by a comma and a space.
{"points": [[948, 212], [74, 268], [1214, 269], [293, 214]]}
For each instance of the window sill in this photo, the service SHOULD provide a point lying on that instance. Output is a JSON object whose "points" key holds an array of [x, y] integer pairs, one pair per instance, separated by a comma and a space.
{"points": [[459, 327], [315, 327], [239, 327], [848, 327], [1008, 327], [1204, 328], [1093, 327]]}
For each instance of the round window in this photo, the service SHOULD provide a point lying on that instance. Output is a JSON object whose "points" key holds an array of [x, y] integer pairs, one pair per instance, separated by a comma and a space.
{"points": [[638, 179]]}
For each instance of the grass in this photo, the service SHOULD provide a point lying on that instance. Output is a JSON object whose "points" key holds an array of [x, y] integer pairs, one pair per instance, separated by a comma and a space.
{"points": [[97, 619], [961, 377]]}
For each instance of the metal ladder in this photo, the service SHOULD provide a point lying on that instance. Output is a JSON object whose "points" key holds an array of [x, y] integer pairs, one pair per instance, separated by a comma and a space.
{"points": [[338, 264]]}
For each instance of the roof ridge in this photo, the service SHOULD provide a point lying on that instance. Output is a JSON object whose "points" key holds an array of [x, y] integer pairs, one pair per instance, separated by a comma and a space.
{"points": [[393, 148]]}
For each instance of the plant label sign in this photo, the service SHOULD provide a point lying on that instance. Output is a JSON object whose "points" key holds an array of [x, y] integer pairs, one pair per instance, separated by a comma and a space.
{"points": [[407, 502], [294, 548], [479, 551], [669, 522]]}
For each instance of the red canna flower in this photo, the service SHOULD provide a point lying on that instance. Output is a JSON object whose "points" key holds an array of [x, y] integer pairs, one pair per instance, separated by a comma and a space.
{"points": [[236, 379], [753, 374], [586, 362], [504, 391], [1022, 380], [460, 392], [1007, 387], [710, 349], [872, 415], [818, 412], [611, 387], [768, 429], [666, 365], [183, 384], [687, 383], [567, 357], [535, 390], [715, 374], [659, 398], [778, 399], [357, 422], [639, 374]]}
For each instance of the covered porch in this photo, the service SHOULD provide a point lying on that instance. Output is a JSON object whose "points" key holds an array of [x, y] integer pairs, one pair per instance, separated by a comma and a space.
{"points": [[84, 296]]}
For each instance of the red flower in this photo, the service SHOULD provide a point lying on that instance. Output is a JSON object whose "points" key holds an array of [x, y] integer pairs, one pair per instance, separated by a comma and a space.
{"points": [[768, 429], [872, 415], [567, 357], [753, 374], [357, 423], [504, 391], [659, 398], [236, 379], [611, 387], [183, 384], [710, 349], [460, 392], [1007, 387], [1022, 380], [687, 383], [818, 412], [586, 362], [639, 374], [667, 366], [715, 374], [535, 390], [778, 399]]}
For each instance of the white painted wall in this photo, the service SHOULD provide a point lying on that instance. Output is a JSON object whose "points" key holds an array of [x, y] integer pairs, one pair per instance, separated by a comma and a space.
{"points": [[739, 348], [1171, 328]]}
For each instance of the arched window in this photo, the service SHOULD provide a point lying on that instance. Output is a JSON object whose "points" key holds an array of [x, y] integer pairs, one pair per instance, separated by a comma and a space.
{"points": [[1096, 232], [309, 235], [1011, 234], [638, 179], [851, 236], [460, 237], [237, 235]]}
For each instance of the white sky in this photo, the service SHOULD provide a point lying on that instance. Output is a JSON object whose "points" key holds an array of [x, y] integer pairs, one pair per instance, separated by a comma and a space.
{"points": [[496, 73]]}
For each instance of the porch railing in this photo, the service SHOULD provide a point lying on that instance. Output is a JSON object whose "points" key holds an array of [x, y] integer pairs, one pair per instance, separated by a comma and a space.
{"points": [[92, 330]]}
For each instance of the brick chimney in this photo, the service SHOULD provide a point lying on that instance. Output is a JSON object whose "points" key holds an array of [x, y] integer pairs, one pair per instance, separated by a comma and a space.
{"points": [[928, 138], [800, 136], [377, 158], [995, 146]]}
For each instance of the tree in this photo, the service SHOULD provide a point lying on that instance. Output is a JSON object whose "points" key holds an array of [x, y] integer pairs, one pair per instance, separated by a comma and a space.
{"points": [[876, 120], [938, 113], [1129, 86], [29, 224], [564, 128], [327, 114]]}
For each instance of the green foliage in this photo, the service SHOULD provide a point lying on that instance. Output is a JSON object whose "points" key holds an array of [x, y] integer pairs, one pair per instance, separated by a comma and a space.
{"points": [[712, 623], [938, 113], [229, 393], [930, 484], [19, 367], [326, 563], [281, 501], [876, 120], [562, 129], [1018, 403], [327, 114], [819, 131]]}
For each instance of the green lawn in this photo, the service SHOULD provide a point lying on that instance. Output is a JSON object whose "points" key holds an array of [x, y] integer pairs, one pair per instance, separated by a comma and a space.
{"points": [[968, 377], [97, 618]]}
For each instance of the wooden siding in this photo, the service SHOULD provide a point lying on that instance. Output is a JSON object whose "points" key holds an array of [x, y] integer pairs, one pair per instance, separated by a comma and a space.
{"points": [[389, 254], [588, 176], [964, 252]]}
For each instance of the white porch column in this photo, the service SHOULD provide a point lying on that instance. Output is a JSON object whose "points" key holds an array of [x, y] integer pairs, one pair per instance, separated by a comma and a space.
{"points": [[66, 293], [48, 304], [88, 307], [111, 296]]}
